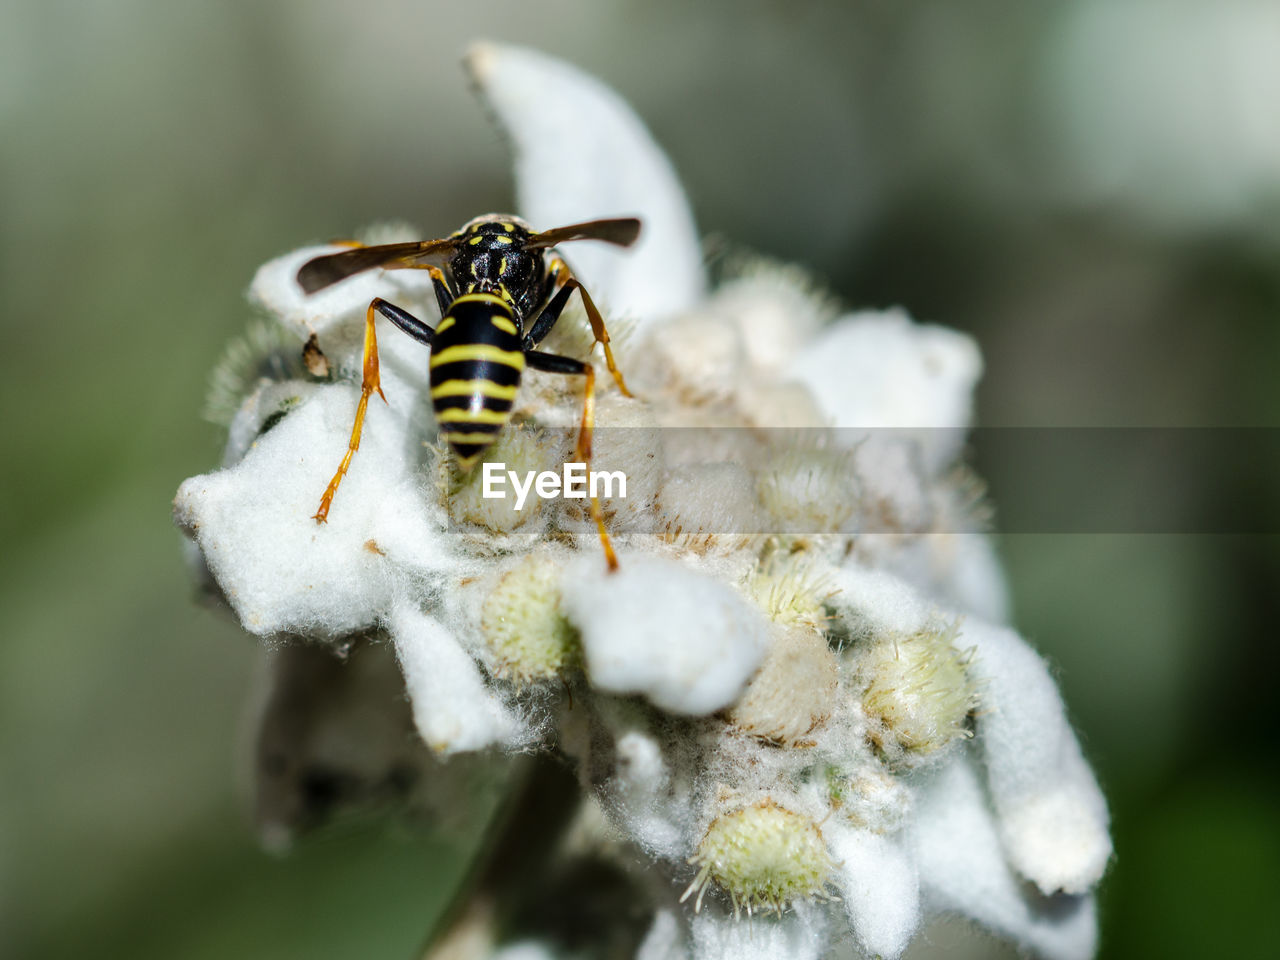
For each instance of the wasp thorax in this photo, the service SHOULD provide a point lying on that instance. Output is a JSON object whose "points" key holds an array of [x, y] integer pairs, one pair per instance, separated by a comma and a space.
{"points": [[496, 223]]}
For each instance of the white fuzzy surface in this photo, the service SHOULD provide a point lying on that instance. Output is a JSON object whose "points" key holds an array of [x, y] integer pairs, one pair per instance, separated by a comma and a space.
{"points": [[452, 706], [973, 580], [336, 315], [664, 941], [963, 870], [799, 934], [774, 312], [571, 131], [281, 571], [876, 877], [714, 498], [878, 601], [687, 642], [641, 797], [877, 370], [1053, 817], [959, 571]]}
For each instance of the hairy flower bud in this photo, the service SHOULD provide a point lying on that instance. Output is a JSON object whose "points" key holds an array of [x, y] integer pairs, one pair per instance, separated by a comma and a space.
{"points": [[763, 856], [523, 626], [918, 689]]}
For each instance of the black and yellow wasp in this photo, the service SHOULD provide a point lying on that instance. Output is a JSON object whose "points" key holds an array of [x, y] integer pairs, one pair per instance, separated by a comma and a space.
{"points": [[499, 297]]}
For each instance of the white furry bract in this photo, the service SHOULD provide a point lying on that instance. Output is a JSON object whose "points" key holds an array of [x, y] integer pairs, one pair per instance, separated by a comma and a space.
{"points": [[963, 870], [280, 570], [878, 884], [800, 934], [872, 371], [452, 706], [1053, 817], [582, 154], [684, 640]]}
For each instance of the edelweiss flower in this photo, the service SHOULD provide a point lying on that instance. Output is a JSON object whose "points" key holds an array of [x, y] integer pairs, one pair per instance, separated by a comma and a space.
{"points": [[796, 702]]}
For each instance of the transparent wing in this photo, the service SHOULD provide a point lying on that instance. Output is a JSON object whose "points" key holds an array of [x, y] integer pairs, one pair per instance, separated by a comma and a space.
{"points": [[324, 271], [621, 231]]}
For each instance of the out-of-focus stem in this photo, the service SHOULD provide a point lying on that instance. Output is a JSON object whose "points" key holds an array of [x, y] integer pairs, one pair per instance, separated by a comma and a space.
{"points": [[522, 842]]}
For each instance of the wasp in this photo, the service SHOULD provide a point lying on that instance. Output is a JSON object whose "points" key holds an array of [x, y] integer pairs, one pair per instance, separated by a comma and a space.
{"points": [[500, 289]]}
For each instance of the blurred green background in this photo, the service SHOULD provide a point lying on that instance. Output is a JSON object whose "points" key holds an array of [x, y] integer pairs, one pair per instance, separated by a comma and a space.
{"points": [[1091, 189]]}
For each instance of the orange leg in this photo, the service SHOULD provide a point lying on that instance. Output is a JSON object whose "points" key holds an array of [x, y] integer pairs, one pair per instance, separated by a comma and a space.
{"points": [[444, 296], [564, 277], [369, 383], [582, 454], [552, 363]]}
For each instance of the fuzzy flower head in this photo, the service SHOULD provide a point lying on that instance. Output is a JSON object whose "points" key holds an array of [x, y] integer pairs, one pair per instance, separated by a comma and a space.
{"points": [[795, 698]]}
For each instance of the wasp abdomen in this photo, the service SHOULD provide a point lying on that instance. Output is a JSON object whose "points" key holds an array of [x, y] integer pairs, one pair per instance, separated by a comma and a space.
{"points": [[476, 362]]}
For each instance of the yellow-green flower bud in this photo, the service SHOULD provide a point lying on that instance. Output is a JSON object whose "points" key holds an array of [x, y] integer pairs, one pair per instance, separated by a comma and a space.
{"points": [[523, 626], [918, 691], [763, 856]]}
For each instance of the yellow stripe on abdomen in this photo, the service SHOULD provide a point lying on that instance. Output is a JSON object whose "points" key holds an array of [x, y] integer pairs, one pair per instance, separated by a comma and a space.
{"points": [[503, 324], [468, 388], [484, 439], [467, 415], [478, 351]]}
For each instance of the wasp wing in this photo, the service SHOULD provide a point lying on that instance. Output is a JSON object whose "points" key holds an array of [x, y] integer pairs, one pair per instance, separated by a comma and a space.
{"points": [[326, 270], [621, 231]]}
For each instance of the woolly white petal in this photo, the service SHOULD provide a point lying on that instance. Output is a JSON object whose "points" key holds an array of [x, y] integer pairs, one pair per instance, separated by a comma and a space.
{"points": [[878, 370], [664, 940], [877, 882], [963, 870], [280, 570], [583, 154], [878, 601], [452, 707], [686, 641], [654, 816], [959, 570], [976, 582], [1053, 817], [799, 934], [413, 540]]}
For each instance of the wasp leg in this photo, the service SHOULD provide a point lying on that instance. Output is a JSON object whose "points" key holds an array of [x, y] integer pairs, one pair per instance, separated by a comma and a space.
{"points": [[369, 383], [444, 296], [553, 363], [563, 278], [547, 318], [406, 321]]}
